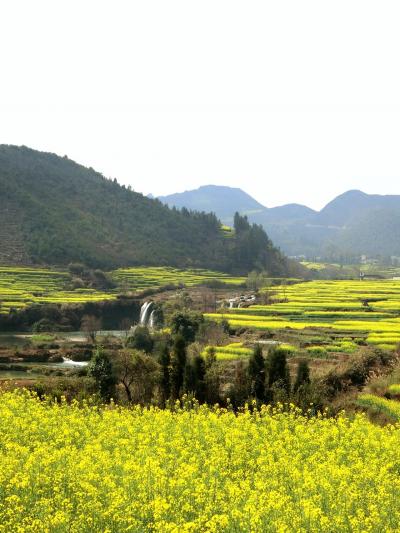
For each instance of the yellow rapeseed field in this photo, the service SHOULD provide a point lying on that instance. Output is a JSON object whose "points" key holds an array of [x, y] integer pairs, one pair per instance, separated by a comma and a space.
{"points": [[24, 286], [66, 468], [371, 308]]}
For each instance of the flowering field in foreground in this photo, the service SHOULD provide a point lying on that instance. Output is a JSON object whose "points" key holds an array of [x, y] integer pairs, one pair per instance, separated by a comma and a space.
{"points": [[65, 468]]}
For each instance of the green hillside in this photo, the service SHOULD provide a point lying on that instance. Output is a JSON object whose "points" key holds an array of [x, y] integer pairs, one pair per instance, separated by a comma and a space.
{"points": [[54, 211]]}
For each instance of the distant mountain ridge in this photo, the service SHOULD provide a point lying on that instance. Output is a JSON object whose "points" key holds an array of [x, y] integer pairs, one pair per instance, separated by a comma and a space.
{"points": [[215, 199], [353, 223]]}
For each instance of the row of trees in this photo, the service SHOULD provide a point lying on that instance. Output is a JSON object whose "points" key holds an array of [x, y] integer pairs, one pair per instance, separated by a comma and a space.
{"points": [[173, 370], [164, 376], [269, 378]]}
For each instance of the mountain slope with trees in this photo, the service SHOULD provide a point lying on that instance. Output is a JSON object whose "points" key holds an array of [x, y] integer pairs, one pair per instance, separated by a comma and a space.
{"points": [[54, 211]]}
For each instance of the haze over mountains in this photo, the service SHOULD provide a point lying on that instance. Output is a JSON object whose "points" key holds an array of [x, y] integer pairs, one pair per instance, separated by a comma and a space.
{"points": [[353, 224]]}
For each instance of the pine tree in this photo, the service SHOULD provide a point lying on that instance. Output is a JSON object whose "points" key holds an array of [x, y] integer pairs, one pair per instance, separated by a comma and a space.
{"points": [[177, 367], [239, 390], [194, 377], [277, 369], [303, 375], [164, 360], [189, 378], [256, 372], [199, 367]]}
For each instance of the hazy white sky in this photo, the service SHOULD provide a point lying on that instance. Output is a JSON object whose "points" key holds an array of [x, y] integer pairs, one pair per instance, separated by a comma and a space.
{"points": [[293, 101]]}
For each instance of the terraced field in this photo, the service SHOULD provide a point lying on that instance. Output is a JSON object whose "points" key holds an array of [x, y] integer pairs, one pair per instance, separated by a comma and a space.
{"points": [[237, 350], [233, 351], [135, 278], [21, 286], [371, 308], [352, 271]]}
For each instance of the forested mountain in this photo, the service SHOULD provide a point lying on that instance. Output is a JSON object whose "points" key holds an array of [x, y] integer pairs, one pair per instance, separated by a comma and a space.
{"points": [[352, 224], [54, 211]]}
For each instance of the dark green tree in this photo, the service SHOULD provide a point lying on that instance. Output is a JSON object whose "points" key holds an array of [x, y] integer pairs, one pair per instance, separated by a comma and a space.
{"points": [[101, 370], [164, 361], [200, 366], [240, 223], [189, 377], [303, 375], [177, 367], [141, 339], [194, 378], [277, 371], [239, 390], [186, 324], [256, 373], [212, 381]]}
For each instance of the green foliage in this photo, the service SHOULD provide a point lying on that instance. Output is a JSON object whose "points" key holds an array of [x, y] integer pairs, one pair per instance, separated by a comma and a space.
{"points": [[186, 324], [43, 338], [141, 339], [164, 361], [101, 370], [256, 280], [317, 351], [303, 375], [277, 371], [254, 250], [177, 367], [194, 377], [256, 372]]}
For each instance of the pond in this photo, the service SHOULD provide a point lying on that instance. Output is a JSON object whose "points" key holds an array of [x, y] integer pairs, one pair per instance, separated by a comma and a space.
{"points": [[14, 339], [30, 370], [15, 374]]}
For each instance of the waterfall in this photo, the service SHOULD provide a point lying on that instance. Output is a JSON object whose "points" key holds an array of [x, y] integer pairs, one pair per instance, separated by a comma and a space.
{"points": [[151, 319], [145, 315], [67, 361]]}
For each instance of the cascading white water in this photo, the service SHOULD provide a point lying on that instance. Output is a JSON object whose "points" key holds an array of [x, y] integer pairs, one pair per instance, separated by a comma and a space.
{"points": [[145, 314], [68, 361], [152, 319]]}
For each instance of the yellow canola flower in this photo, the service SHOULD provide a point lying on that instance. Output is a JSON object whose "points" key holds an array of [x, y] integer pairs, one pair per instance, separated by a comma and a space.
{"points": [[80, 468]]}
